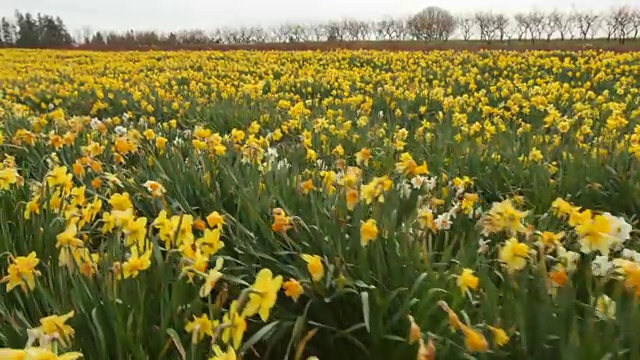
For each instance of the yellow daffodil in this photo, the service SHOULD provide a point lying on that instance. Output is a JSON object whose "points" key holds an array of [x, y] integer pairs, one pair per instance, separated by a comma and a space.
{"points": [[415, 334], [210, 242], [215, 220], [594, 235], [314, 266], [136, 263], [230, 354], [200, 327], [466, 280], [264, 294], [368, 232], [22, 272], [235, 324], [500, 337], [514, 254], [293, 289], [54, 327], [210, 281]]}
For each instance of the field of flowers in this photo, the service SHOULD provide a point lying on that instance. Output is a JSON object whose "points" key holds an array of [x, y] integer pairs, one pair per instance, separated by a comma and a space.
{"points": [[319, 205]]}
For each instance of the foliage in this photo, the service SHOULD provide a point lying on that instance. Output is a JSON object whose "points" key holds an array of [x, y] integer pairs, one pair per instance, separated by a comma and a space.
{"points": [[42, 31]]}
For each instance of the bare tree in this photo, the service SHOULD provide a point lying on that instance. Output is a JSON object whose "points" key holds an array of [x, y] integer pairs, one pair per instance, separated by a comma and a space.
{"points": [[586, 22], [522, 25], [77, 36], [293, 33], [635, 23], [278, 34], [595, 27], [347, 30], [486, 25], [317, 32], [563, 23], [351, 28], [536, 20], [400, 29], [384, 29], [623, 20], [192, 37], [550, 24], [301, 33], [356, 30], [610, 24], [227, 35], [245, 35], [258, 34], [466, 25], [335, 31], [500, 24], [432, 23], [215, 35], [87, 34], [366, 30]]}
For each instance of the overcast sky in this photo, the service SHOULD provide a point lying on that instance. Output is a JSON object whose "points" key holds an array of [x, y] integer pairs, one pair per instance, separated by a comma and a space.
{"points": [[167, 15]]}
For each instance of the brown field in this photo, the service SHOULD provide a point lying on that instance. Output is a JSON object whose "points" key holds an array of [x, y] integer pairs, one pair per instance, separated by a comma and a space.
{"points": [[472, 45]]}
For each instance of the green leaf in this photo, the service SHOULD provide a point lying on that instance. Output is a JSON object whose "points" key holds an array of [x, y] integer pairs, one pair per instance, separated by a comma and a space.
{"points": [[99, 328], [362, 284], [395, 338], [176, 341], [257, 336], [364, 296]]}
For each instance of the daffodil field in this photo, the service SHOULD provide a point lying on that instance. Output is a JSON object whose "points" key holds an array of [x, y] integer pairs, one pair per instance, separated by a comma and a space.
{"points": [[319, 205]]}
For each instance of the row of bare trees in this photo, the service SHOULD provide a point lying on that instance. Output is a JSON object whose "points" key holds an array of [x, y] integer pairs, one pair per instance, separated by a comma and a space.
{"points": [[431, 24], [345, 30], [622, 23]]}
